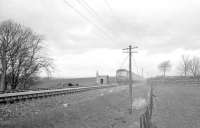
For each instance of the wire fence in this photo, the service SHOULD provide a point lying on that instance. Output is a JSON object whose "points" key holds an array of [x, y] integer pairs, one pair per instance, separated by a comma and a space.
{"points": [[145, 118]]}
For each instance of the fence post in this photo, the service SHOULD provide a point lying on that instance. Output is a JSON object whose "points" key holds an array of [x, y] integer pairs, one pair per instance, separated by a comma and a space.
{"points": [[141, 122], [145, 118]]}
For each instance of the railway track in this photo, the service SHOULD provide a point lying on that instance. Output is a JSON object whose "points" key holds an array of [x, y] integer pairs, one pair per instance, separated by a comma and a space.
{"points": [[28, 95]]}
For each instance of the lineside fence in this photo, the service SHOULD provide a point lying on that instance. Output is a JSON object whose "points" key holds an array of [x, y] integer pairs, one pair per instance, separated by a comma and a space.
{"points": [[145, 118]]}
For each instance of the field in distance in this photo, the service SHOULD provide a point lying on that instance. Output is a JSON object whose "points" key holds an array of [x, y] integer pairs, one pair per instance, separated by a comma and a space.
{"points": [[52, 83]]}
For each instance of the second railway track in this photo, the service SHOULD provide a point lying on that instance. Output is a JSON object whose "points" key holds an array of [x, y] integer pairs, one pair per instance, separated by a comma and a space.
{"points": [[21, 96]]}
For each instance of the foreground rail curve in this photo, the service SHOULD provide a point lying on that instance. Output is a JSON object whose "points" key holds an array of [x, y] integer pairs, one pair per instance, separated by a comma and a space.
{"points": [[22, 96]]}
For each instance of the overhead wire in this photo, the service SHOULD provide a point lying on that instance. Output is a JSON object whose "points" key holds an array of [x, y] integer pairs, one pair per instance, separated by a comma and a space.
{"points": [[119, 21], [111, 11], [88, 20], [93, 13], [109, 7], [114, 16], [134, 61], [90, 9], [123, 62], [96, 16]]}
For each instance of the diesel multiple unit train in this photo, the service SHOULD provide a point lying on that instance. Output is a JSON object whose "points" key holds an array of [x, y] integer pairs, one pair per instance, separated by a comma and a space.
{"points": [[122, 76]]}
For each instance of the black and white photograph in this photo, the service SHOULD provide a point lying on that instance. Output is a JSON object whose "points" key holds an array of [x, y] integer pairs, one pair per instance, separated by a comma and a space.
{"points": [[99, 64]]}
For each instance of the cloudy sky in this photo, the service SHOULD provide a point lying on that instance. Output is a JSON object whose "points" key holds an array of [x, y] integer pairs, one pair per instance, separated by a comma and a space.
{"points": [[85, 36]]}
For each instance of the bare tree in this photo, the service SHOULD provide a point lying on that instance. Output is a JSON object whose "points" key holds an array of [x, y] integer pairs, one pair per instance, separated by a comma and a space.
{"points": [[6, 33], [184, 66], [20, 54], [194, 67], [164, 67]]}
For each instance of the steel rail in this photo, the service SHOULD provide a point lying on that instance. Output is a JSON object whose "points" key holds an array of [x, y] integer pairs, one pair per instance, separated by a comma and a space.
{"points": [[21, 96]]}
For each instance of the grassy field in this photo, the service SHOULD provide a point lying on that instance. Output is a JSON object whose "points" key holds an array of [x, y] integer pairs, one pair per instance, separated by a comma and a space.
{"points": [[177, 106], [105, 108]]}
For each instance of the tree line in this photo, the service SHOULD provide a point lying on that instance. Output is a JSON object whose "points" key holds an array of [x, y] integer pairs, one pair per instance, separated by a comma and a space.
{"points": [[20, 55], [188, 66]]}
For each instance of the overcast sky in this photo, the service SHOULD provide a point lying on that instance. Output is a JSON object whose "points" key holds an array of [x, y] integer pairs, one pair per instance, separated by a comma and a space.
{"points": [[83, 40]]}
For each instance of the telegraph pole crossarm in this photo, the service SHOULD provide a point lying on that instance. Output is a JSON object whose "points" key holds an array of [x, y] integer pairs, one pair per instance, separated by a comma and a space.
{"points": [[130, 48]]}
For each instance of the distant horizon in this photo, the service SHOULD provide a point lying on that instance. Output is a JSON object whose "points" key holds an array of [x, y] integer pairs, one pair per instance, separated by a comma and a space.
{"points": [[115, 76]]}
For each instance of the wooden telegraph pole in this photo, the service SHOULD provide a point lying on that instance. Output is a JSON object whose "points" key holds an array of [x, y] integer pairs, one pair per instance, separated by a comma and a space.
{"points": [[130, 48]]}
